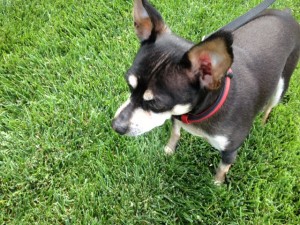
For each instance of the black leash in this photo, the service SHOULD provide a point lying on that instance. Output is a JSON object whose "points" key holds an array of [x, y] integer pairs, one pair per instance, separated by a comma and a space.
{"points": [[240, 21]]}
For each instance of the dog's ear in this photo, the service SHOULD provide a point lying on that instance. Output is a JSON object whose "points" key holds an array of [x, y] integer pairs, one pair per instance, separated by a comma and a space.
{"points": [[148, 22], [210, 59]]}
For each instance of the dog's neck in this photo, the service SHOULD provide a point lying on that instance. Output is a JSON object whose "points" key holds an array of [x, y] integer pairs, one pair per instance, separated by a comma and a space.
{"points": [[206, 99]]}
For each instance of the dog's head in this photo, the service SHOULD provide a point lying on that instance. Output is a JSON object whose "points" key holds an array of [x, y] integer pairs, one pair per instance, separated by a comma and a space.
{"points": [[169, 75]]}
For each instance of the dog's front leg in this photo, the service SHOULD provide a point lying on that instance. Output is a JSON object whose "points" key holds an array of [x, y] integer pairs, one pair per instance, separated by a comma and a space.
{"points": [[227, 159], [174, 138]]}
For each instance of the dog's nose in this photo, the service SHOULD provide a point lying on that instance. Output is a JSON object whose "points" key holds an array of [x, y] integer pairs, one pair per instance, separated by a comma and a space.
{"points": [[120, 128]]}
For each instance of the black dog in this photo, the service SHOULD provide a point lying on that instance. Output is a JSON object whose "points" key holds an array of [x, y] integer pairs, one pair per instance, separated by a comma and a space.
{"points": [[193, 84]]}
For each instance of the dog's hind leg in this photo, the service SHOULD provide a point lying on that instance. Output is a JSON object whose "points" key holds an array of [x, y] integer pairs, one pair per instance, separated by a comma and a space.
{"points": [[274, 99], [283, 83], [174, 138]]}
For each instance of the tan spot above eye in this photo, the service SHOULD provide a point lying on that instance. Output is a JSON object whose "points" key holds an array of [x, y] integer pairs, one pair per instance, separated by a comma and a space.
{"points": [[148, 95], [133, 81]]}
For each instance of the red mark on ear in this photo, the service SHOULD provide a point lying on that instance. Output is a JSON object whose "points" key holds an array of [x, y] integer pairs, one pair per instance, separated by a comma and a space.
{"points": [[205, 65]]}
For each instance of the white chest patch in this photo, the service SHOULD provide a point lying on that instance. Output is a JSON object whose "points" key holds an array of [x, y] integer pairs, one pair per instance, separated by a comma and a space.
{"points": [[219, 142]]}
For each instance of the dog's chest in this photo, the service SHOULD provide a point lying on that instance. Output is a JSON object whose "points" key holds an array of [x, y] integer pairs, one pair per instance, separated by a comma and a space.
{"points": [[220, 142]]}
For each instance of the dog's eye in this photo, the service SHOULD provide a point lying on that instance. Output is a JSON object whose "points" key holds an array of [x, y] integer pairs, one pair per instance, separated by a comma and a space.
{"points": [[154, 105]]}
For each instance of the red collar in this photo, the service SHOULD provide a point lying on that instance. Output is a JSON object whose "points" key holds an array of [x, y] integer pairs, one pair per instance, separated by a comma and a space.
{"points": [[213, 109]]}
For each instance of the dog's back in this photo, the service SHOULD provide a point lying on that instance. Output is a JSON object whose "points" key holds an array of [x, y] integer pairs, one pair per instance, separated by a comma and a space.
{"points": [[272, 35]]}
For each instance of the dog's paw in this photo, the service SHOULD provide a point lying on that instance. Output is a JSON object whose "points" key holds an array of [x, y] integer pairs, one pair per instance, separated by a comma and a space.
{"points": [[168, 150], [218, 182], [219, 179]]}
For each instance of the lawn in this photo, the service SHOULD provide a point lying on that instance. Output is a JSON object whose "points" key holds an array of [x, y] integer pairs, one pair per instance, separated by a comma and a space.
{"points": [[61, 80]]}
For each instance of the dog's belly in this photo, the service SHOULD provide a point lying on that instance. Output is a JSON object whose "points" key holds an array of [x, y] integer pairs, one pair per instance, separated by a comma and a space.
{"points": [[219, 142]]}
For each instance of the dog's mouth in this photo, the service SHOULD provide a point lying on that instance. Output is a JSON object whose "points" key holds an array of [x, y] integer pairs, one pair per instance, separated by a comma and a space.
{"points": [[132, 130], [139, 121], [133, 120]]}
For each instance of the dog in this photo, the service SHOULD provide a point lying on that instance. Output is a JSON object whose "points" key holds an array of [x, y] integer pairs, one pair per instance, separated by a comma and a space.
{"points": [[213, 89]]}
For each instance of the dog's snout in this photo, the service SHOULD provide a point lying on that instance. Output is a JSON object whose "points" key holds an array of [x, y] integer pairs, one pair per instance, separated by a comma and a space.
{"points": [[119, 127]]}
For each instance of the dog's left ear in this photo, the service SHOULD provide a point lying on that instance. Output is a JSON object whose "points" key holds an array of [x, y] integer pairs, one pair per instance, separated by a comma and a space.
{"points": [[148, 22], [211, 59]]}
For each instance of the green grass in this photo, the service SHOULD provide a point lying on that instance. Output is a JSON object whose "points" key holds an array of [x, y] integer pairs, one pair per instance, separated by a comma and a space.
{"points": [[61, 80]]}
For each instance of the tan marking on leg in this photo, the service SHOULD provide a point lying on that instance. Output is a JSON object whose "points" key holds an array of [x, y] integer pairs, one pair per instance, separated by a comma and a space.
{"points": [[221, 173], [174, 138], [266, 116], [274, 100]]}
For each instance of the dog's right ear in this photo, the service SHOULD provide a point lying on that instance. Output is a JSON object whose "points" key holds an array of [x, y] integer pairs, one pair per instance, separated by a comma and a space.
{"points": [[148, 22], [209, 60]]}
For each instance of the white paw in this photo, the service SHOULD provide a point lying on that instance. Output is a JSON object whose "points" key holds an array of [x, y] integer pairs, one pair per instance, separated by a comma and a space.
{"points": [[219, 179], [169, 151], [218, 182]]}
